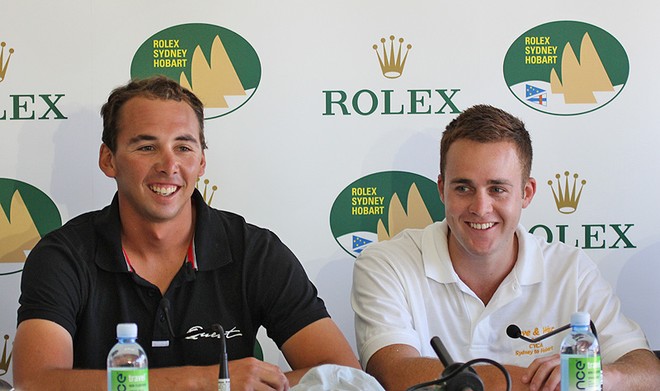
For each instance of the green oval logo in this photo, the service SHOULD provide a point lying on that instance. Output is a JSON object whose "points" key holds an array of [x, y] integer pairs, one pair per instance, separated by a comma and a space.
{"points": [[379, 206], [26, 215], [217, 64], [566, 68]]}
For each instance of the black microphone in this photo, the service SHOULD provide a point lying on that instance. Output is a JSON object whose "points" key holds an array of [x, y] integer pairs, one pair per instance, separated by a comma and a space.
{"points": [[165, 304], [223, 376], [457, 379], [514, 332]]}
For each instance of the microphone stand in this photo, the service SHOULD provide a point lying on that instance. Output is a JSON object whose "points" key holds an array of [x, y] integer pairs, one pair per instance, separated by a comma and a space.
{"points": [[514, 332], [458, 376], [223, 376], [223, 372]]}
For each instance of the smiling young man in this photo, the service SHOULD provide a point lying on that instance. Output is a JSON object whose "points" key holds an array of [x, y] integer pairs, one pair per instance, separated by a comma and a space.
{"points": [[160, 257], [467, 278]]}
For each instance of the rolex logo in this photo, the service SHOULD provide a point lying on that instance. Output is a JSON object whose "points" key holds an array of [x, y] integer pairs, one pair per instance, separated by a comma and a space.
{"points": [[204, 192], [390, 64], [568, 197], [4, 64], [6, 359]]}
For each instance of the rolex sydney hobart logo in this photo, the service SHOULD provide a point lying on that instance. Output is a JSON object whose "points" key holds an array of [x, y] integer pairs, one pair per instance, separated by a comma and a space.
{"points": [[215, 63], [566, 68]]}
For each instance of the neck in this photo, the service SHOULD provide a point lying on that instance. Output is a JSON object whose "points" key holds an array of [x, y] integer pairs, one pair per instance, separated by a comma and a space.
{"points": [[157, 250], [483, 274], [144, 235]]}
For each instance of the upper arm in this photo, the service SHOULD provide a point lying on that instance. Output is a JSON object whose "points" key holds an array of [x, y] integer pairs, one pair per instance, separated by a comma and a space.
{"points": [[386, 359], [320, 342], [40, 345]]}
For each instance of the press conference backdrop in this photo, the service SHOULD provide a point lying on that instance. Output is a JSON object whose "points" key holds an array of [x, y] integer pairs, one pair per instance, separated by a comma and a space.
{"points": [[323, 121]]}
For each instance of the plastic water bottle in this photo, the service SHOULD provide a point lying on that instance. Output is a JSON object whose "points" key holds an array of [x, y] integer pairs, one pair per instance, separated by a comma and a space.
{"points": [[580, 357], [127, 362]]}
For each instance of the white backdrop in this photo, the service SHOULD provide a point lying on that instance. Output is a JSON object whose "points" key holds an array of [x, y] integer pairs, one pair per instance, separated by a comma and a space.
{"points": [[280, 159]]}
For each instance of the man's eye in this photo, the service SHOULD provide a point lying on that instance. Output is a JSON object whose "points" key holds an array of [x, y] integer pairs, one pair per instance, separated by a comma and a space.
{"points": [[146, 148]]}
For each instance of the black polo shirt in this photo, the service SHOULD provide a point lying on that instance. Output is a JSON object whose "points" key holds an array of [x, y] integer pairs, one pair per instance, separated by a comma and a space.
{"points": [[237, 275]]}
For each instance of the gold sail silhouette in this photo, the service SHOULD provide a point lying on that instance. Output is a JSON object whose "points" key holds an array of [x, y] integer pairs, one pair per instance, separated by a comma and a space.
{"points": [[580, 78], [18, 235], [417, 216], [213, 81]]}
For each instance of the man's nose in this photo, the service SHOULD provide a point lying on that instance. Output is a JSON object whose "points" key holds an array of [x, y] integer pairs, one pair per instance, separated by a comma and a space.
{"points": [[167, 163], [481, 204]]}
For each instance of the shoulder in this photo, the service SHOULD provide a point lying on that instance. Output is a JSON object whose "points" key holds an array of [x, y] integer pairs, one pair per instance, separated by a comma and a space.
{"points": [[231, 224], [407, 243], [403, 255], [236, 228], [555, 258], [76, 235], [223, 237]]}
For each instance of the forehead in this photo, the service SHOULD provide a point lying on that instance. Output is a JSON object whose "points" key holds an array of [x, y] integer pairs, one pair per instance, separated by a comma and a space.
{"points": [[154, 116], [492, 158]]}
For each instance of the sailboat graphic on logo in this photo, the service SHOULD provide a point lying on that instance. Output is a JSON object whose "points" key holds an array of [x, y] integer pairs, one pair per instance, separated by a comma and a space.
{"points": [[26, 215]]}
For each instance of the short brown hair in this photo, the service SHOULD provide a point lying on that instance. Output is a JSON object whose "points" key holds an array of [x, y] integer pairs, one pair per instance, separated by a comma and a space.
{"points": [[487, 124], [156, 87]]}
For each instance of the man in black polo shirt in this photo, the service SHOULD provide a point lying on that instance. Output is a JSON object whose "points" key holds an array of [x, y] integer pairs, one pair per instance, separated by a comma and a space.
{"points": [[160, 257]]}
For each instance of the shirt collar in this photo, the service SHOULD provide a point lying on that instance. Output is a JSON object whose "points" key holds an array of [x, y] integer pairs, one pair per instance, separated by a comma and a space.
{"points": [[209, 248], [190, 257], [435, 254], [529, 266], [437, 263]]}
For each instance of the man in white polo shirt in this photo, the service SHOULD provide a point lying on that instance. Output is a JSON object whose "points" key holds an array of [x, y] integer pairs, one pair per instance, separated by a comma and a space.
{"points": [[467, 278]]}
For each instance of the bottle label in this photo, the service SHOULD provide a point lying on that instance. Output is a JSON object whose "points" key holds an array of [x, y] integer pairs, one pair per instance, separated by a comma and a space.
{"points": [[583, 373], [128, 379]]}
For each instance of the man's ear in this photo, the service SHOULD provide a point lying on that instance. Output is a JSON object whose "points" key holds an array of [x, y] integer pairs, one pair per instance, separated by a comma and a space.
{"points": [[107, 161], [441, 188], [202, 165], [528, 192]]}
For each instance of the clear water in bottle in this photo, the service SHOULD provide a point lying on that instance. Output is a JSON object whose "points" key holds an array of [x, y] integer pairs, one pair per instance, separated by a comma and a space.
{"points": [[128, 368], [580, 357]]}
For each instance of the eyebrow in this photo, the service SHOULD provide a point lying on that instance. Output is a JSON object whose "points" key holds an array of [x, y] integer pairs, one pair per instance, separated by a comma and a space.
{"points": [[147, 137], [466, 181]]}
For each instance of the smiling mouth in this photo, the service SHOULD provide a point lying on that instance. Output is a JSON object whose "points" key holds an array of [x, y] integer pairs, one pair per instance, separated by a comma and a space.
{"points": [[481, 226], [164, 190]]}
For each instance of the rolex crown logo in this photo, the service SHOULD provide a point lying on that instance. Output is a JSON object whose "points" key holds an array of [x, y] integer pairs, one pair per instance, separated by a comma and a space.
{"points": [[567, 199], [204, 193], [4, 64], [6, 359], [390, 64]]}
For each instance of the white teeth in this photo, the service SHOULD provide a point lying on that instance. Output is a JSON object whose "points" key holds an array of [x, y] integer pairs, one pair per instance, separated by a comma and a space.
{"points": [[163, 190], [481, 225]]}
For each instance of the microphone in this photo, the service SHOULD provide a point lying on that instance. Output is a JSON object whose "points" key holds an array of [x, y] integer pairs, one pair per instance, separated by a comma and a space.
{"points": [[458, 379], [223, 373], [165, 303], [514, 332], [223, 376]]}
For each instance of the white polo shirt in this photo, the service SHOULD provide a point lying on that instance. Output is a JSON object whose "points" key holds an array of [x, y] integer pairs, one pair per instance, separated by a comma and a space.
{"points": [[405, 291]]}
